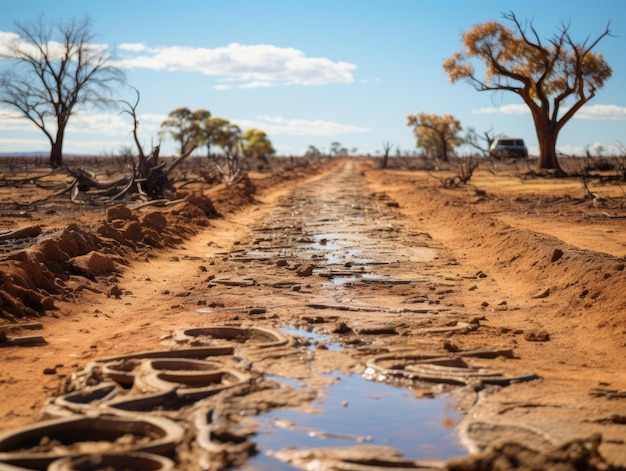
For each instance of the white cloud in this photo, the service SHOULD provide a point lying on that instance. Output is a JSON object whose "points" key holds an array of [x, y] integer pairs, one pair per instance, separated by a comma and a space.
{"points": [[96, 146], [243, 65], [277, 125], [100, 123], [249, 66], [591, 112], [12, 121], [87, 133], [602, 112], [71, 145], [56, 50], [504, 109], [133, 47], [110, 124], [95, 133], [24, 145], [6, 39], [120, 124], [257, 84], [105, 124]]}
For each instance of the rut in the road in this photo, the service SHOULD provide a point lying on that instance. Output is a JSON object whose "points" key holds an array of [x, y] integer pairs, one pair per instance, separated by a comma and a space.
{"points": [[349, 238], [360, 255]]}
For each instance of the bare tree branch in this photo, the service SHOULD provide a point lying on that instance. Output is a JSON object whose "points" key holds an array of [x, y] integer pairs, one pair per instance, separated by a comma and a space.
{"points": [[56, 69]]}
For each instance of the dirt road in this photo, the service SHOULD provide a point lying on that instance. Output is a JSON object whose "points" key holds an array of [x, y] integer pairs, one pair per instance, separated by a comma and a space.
{"points": [[353, 294]]}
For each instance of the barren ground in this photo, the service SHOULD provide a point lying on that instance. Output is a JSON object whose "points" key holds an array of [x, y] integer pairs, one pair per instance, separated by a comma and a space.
{"points": [[417, 284]]}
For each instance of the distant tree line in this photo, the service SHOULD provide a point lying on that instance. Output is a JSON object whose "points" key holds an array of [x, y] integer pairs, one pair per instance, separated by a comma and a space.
{"points": [[198, 129]]}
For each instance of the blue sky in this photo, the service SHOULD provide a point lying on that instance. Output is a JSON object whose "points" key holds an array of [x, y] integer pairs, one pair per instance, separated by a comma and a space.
{"points": [[314, 72]]}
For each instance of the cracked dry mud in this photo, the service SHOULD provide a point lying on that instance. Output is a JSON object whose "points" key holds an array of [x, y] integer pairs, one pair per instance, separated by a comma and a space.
{"points": [[340, 275]]}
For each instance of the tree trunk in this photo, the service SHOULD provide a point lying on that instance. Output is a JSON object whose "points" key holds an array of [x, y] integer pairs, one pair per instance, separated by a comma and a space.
{"points": [[444, 148], [547, 135], [56, 152]]}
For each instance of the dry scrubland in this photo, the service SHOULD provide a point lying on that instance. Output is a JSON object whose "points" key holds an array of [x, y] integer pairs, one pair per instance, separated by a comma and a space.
{"points": [[534, 264]]}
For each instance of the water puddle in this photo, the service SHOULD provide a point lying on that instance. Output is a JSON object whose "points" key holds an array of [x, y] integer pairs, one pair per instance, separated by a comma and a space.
{"points": [[338, 248], [311, 337], [330, 241], [365, 277], [374, 277], [343, 280], [353, 411], [268, 253], [325, 222], [352, 256]]}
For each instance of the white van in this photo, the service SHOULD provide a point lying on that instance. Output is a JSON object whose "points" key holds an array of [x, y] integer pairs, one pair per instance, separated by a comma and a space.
{"points": [[508, 147]]}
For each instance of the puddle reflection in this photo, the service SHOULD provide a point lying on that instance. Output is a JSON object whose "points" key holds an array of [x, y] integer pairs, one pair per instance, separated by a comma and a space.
{"points": [[355, 411], [312, 337]]}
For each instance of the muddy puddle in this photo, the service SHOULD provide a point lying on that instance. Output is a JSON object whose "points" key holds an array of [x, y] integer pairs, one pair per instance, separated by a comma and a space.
{"points": [[312, 338], [355, 411], [351, 246]]}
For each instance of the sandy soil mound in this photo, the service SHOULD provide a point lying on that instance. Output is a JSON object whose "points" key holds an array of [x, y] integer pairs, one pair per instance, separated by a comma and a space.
{"points": [[55, 264], [40, 266], [576, 271]]}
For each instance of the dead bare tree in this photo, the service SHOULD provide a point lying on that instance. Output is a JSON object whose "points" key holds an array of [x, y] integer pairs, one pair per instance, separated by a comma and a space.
{"points": [[56, 70], [151, 177], [229, 164], [620, 163], [465, 170], [480, 141], [386, 149], [230, 170], [148, 180]]}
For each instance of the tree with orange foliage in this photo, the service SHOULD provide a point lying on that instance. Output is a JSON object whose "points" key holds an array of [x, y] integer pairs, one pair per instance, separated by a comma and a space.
{"points": [[554, 79], [435, 134]]}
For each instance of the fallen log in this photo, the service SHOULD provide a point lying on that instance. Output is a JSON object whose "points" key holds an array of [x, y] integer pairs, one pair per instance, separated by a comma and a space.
{"points": [[85, 180]]}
